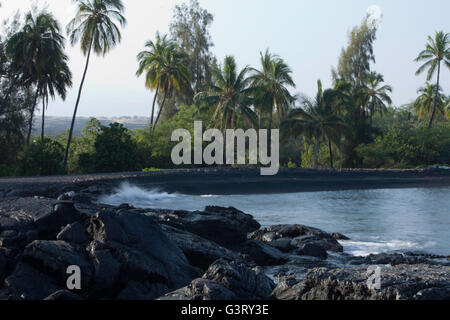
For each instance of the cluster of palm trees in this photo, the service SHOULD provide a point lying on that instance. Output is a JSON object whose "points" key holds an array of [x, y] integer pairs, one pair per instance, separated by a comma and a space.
{"points": [[341, 115], [39, 62], [38, 58]]}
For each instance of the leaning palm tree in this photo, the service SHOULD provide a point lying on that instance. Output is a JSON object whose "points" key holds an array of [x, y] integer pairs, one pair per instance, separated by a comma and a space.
{"points": [[230, 95], [316, 119], [166, 71], [38, 47], [149, 61], [274, 79], [425, 106], [377, 94], [437, 50], [94, 26]]}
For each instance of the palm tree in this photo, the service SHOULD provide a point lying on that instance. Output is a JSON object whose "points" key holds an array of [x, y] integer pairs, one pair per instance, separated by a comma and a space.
{"points": [[274, 79], [54, 81], [148, 63], [425, 105], [377, 95], [437, 50], [94, 26], [166, 70], [316, 119], [230, 95], [39, 48]]}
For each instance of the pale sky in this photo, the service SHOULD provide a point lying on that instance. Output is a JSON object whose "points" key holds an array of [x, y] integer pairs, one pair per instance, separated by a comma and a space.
{"points": [[308, 34]]}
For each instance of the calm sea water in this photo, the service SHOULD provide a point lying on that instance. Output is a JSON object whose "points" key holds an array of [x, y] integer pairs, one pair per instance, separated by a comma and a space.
{"points": [[387, 220]]}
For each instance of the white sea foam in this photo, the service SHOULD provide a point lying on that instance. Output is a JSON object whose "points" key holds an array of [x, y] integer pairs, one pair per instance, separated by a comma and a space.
{"points": [[365, 248], [135, 196]]}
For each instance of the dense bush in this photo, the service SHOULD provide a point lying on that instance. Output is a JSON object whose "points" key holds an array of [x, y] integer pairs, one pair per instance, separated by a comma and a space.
{"points": [[405, 145], [114, 151], [43, 158]]}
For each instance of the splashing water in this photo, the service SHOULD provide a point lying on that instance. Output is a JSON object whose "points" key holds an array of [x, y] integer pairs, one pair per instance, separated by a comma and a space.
{"points": [[136, 196]]}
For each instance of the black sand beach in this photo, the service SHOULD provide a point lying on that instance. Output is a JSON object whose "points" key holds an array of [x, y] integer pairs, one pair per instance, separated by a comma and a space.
{"points": [[233, 181]]}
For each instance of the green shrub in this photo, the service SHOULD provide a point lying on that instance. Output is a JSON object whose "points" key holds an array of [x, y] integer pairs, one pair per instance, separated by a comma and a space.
{"points": [[43, 158], [114, 151], [406, 146]]}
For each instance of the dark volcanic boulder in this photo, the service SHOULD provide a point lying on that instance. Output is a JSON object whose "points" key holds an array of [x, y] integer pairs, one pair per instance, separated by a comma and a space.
{"points": [[402, 282], [201, 289], [75, 232], [288, 231], [339, 236], [313, 250], [28, 283], [142, 248], [54, 257], [19, 214], [244, 282], [298, 239], [227, 227], [199, 252], [325, 244], [262, 254], [106, 269], [50, 224]]}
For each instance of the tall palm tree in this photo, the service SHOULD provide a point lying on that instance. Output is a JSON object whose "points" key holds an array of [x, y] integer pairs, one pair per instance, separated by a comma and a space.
{"points": [[230, 95], [317, 118], [377, 94], [148, 63], [437, 51], [39, 48], [94, 26], [425, 105], [274, 79]]}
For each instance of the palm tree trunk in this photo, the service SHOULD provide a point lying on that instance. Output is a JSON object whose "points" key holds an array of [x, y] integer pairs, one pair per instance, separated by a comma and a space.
{"points": [[316, 150], [161, 109], [69, 140], [8, 93], [43, 120], [435, 97], [153, 106], [30, 123], [331, 154]]}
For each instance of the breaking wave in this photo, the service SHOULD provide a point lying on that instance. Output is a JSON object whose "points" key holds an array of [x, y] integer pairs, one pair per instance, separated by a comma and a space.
{"points": [[135, 196]]}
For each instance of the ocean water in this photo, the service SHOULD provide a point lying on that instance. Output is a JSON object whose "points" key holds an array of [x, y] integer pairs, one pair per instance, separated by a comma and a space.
{"points": [[384, 220]]}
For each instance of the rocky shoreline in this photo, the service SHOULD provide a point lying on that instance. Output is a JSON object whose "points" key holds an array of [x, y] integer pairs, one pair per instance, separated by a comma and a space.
{"points": [[126, 253]]}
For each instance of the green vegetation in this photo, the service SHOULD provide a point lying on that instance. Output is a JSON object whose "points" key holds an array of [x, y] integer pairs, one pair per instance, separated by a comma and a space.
{"points": [[352, 124]]}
